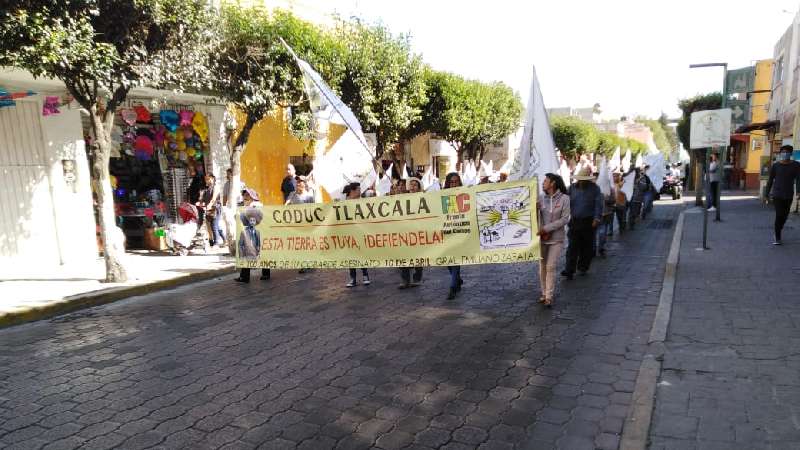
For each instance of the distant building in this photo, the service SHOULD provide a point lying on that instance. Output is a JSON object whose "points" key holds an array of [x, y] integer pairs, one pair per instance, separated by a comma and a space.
{"points": [[592, 114]]}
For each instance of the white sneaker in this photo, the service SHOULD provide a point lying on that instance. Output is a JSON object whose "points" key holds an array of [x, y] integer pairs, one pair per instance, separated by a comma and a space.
{"points": [[712, 209], [366, 282], [777, 243], [351, 283]]}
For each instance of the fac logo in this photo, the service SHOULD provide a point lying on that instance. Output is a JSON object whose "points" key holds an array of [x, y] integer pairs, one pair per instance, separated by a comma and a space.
{"points": [[455, 204]]}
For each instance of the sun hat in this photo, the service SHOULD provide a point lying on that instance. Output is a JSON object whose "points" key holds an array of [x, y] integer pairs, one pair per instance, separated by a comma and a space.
{"points": [[584, 174], [252, 213]]}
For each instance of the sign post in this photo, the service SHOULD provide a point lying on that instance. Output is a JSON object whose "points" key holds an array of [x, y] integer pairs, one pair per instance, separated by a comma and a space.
{"points": [[709, 129]]}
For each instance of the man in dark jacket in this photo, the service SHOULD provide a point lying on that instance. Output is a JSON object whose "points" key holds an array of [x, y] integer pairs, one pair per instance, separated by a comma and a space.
{"points": [[783, 176], [586, 211], [289, 184]]}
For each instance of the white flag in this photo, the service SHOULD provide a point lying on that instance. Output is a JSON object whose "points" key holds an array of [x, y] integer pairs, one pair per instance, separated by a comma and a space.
{"points": [[350, 158], [384, 185], [604, 177], [537, 152], [657, 170], [626, 162], [639, 161], [563, 170], [615, 162], [369, 180], [627, 186]]}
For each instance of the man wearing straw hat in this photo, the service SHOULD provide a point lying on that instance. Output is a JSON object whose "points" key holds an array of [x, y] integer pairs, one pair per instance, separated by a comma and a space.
{"points": [[586, 212]]}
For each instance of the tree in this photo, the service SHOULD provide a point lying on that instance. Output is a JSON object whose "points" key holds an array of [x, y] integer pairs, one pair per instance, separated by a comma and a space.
{"points": [[255, 73], [699, 102], [607, 143], [383, 82], [574, 137], [469, 113], [101, 49], [669, 131], [659, 134]]}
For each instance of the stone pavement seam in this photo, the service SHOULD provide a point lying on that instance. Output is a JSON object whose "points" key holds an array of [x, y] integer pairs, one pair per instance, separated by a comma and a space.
{"points": [[636, 429], [104, 296]]}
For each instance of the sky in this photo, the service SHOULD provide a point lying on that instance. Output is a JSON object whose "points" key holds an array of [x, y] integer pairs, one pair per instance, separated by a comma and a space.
{"points": [[630, 56]]}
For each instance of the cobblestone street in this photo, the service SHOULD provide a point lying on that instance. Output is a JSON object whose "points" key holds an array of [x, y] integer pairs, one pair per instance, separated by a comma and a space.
{"points": [[301, 361]]}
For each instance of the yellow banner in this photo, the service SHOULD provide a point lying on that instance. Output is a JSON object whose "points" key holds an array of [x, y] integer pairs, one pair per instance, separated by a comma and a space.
{"points": [[484, 224]]}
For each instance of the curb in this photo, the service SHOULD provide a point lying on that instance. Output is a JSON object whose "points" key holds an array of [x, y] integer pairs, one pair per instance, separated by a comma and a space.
{"points": [[105, 296], [636, 430]]}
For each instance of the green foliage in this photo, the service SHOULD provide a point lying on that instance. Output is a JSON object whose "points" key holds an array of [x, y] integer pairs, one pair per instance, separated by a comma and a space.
{"points": [[699, 102], [252, 69], [573, 136], [669, 131], [470, 113], [607, 143], [103, 48], [383, 80]]}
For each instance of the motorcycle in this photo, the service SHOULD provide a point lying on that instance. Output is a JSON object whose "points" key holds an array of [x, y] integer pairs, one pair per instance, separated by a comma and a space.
{"points": [[672, 186]]}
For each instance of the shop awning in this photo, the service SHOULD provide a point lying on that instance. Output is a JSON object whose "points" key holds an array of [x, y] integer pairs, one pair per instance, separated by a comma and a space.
{"points": [[740, 137], [758, 126]]}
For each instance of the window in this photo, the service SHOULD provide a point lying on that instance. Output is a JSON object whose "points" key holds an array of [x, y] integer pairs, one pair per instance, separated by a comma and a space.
{"points": [[779, 70]]}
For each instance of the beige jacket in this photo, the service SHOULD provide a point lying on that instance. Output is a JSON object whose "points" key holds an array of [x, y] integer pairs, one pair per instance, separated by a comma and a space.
{"points": [[553, 216]]}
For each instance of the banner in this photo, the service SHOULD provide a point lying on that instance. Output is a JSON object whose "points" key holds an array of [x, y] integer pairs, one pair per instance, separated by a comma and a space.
{"points": [[483, 224]]}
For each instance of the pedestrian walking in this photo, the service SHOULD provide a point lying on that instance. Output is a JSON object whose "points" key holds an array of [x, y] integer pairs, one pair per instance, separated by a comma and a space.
{"points": [[784, 179], [453, 180], [620, 200], [211, 200], [250, 240], [641, 184], [586, 212], [554, 214], [649, 194], [414, 186], [606, 227], [353, 191], [714, 175]]}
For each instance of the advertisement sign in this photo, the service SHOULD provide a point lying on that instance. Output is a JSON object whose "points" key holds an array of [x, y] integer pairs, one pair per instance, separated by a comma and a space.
{"points": [[483, 224], [710, 128]]}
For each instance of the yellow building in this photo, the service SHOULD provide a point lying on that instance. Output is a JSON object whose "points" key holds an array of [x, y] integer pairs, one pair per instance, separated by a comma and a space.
{"points": [[759, 109]]}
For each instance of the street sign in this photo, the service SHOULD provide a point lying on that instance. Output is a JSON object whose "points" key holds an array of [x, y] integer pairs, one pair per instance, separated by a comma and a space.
{"points": [[709, 128]]}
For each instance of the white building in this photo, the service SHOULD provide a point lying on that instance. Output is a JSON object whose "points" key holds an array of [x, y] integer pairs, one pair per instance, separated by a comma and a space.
{"points": [[46, 203]]}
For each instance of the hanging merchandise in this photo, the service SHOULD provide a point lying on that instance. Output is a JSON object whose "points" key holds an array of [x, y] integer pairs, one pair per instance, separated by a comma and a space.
{"points": [[159, 136], [50, 105], [128, 116], [142, 114], [144, 144], [169, 119], [186, 118], [200, 125], [9, 98]]}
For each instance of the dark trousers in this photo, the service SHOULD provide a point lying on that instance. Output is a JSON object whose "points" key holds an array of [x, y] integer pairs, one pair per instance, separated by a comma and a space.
{"points": [[455, 276], [634, 209], [581, 245], [405, 274], [713, 189], [619, 211], [782, 208], [353, 272], [244, 274]]}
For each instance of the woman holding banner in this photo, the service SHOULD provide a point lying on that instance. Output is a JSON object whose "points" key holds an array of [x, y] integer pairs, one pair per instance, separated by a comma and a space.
{"points": [[553, 209], [353, 191], [414, 186], [453, 180]]}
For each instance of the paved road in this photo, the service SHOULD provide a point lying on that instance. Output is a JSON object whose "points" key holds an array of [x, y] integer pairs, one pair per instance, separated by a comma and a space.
{"points": [[731, 373], [301, 361]]}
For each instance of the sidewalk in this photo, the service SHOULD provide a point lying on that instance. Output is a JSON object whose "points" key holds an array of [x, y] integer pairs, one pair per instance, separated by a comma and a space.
{"points": [[731, 372], [30, 293]]}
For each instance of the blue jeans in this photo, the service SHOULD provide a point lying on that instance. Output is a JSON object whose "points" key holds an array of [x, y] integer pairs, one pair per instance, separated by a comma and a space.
{"points": [[605, 228], [455, 276], [215, 230], [648, 203], [353, 273]]}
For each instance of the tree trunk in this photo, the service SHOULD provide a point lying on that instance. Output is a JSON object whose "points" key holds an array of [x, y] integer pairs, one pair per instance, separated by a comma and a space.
{"points": [[115, 271], [235, 150]]}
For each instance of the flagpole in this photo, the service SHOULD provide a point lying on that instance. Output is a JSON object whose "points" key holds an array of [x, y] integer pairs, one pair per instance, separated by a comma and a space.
{"points": [[333, 105]]}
